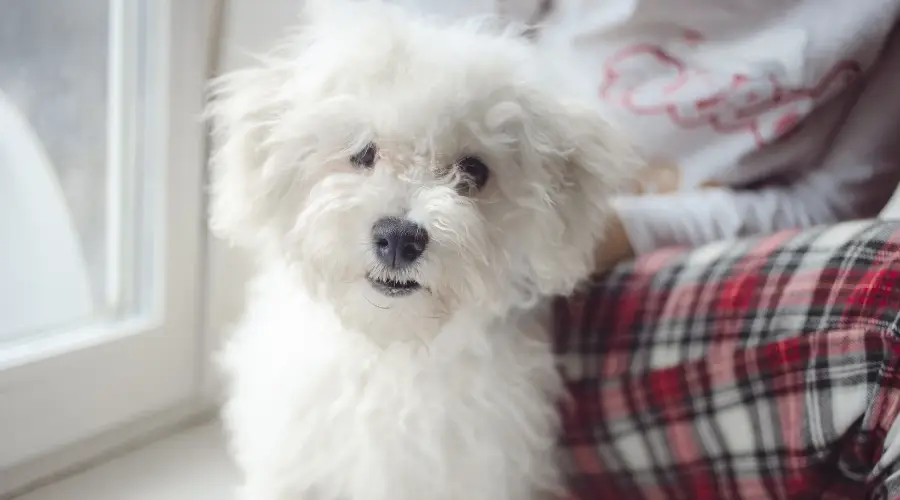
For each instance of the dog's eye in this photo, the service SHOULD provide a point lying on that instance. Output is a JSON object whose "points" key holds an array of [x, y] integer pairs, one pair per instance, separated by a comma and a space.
{"points": [[475, 169], [366, 157]]}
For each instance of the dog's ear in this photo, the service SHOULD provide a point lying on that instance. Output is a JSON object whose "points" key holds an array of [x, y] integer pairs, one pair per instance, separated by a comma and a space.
{"points": [[590, 163], [601, 163], [248, 168], [243, 106], [600, 159], [262, 124]]}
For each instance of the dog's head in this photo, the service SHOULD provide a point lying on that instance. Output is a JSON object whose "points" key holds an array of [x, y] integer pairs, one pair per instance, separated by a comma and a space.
{"points": [[408, 169]]}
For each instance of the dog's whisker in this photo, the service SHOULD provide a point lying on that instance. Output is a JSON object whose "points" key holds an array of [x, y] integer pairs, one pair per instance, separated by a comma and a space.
{"points": [[385, 308]]}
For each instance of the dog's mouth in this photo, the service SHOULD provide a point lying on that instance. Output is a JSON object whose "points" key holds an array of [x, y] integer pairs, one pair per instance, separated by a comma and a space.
{"points": [[394, 288]]}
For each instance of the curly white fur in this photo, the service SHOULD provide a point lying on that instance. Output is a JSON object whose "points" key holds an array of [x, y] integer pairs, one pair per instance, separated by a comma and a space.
{"points": [[337, 391]]}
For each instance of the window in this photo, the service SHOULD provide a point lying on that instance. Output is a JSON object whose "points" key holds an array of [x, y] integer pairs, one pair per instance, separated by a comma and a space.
{"points": [[101, 232]]}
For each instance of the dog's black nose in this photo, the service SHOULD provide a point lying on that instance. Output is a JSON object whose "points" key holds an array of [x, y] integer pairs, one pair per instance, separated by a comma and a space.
{"points": [[398, 242]]}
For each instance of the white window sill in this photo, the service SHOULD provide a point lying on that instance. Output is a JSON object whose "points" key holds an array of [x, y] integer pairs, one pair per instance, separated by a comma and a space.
{"points": [[191, 465]]}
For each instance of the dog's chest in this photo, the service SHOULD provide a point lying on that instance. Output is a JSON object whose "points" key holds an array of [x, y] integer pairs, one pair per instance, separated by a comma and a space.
{"points": [[406, 422]]}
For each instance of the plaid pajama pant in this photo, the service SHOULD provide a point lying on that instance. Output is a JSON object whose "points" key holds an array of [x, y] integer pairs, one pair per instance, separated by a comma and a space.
{"points": [[760, 369]]}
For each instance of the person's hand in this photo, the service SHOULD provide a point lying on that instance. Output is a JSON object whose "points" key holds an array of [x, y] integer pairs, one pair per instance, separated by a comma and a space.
{"points": [[614, 248], [658, 177], [663, 177]]}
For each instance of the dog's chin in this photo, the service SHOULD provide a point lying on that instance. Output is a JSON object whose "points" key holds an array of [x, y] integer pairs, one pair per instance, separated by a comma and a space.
{"points": [[394, 288]]}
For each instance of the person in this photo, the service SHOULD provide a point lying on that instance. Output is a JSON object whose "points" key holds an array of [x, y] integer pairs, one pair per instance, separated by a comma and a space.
{"points": [[753, 116], [767, 367]]}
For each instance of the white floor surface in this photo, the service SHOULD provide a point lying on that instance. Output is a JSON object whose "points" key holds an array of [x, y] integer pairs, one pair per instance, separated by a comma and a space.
{"points": [[191, 465]]}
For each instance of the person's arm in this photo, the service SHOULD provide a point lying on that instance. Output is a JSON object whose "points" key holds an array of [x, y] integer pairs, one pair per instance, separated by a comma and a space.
{"points": [[856, 180]]}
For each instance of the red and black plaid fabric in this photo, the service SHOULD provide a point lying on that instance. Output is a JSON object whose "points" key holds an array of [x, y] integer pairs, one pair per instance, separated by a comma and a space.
{"points": [[761, 369]]}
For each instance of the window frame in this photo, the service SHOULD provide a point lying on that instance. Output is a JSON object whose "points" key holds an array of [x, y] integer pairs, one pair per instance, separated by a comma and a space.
{"points": [[69, 395]]}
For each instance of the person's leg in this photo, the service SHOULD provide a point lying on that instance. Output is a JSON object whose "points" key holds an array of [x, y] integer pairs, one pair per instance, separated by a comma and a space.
{"points": [[765, 368]]}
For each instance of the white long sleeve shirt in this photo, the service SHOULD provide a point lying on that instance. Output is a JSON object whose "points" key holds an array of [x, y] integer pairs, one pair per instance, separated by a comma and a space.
{"points": [[790, 107]]}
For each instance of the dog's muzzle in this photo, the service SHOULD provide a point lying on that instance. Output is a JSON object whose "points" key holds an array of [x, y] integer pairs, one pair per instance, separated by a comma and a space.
{"points": [[398, 244]]}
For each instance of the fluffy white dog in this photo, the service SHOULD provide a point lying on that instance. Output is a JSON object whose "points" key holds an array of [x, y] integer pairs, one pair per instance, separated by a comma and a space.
{"points": [[414, 191]]}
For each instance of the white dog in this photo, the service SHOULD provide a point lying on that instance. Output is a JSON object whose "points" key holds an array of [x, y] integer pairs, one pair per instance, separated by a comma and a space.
{"points": [[414, 190]]}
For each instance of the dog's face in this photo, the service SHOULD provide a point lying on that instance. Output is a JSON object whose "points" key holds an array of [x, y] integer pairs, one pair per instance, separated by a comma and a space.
{"points": [[408, 170]]}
